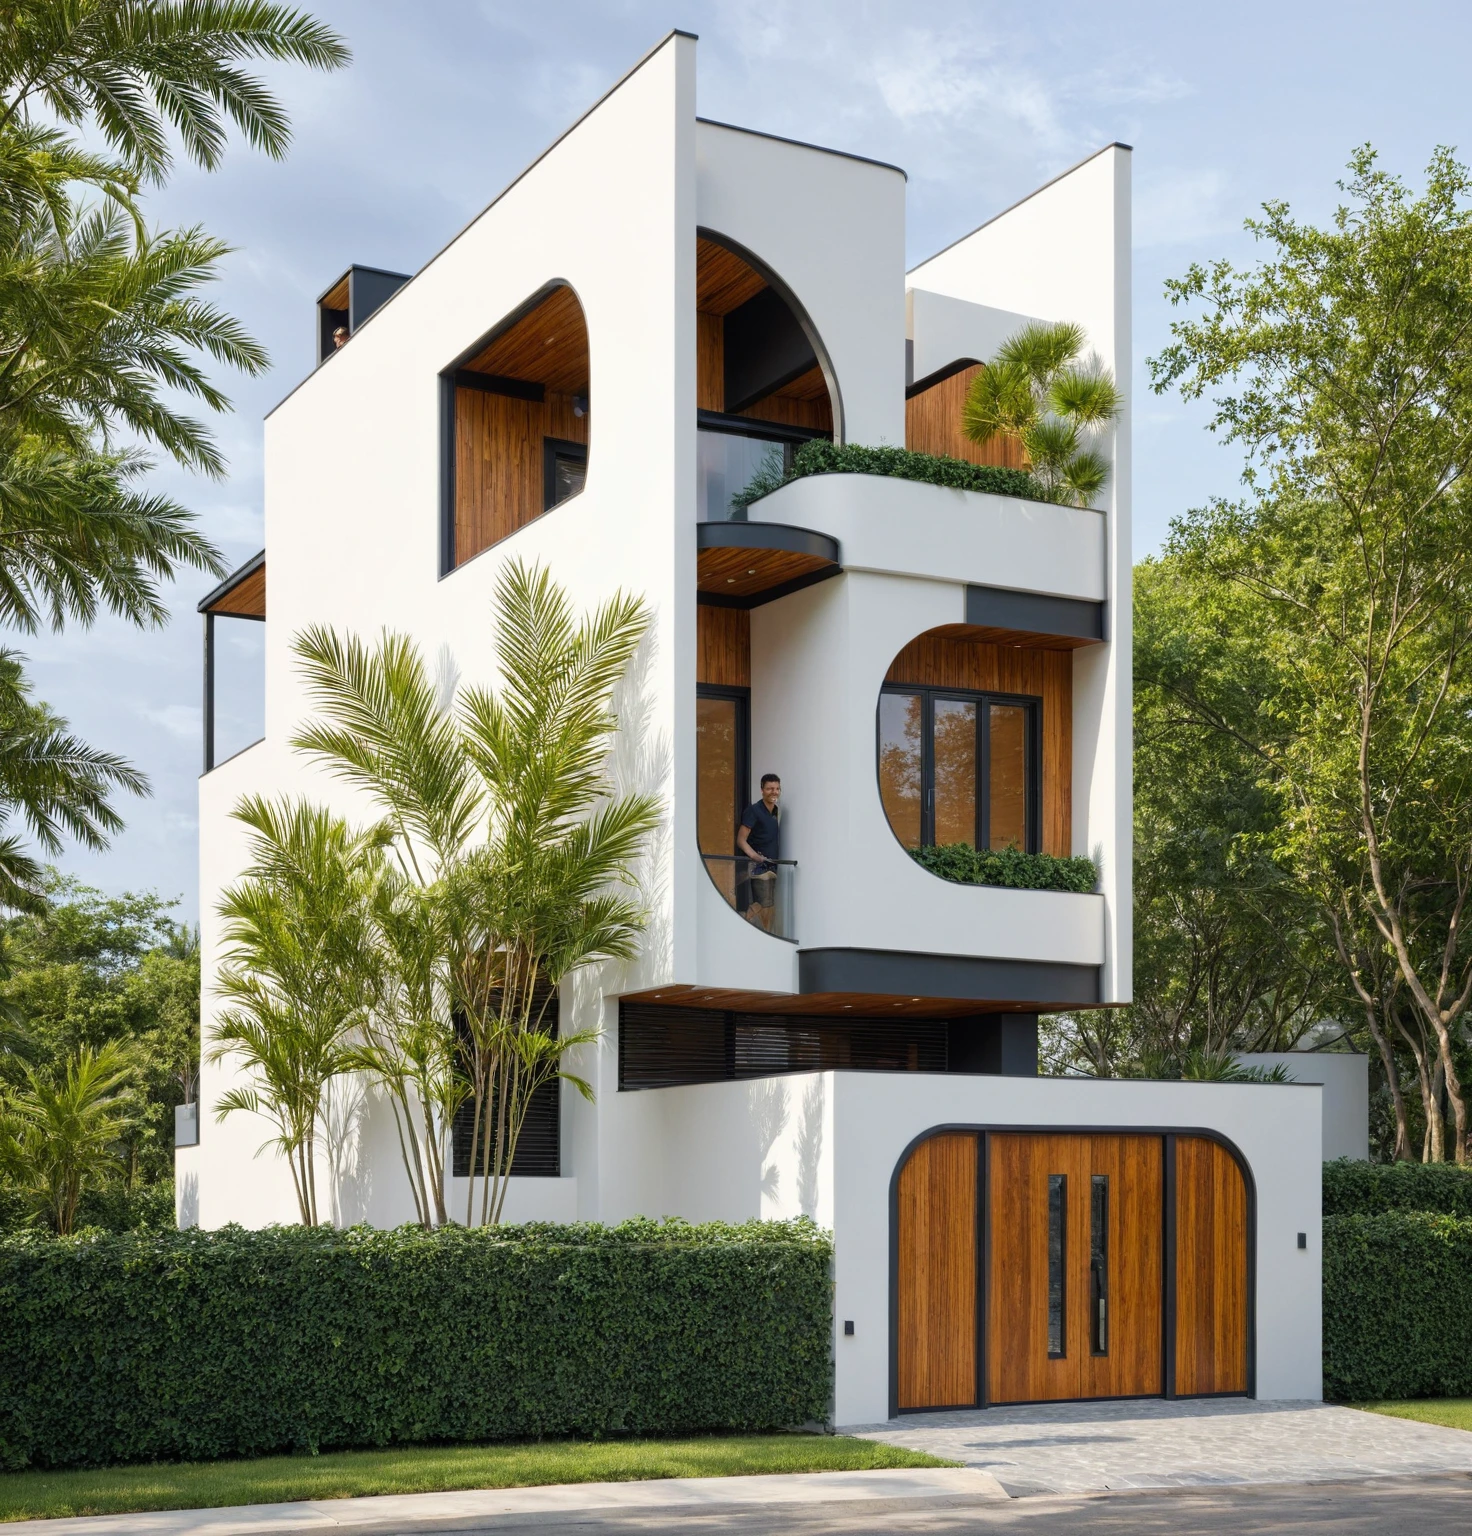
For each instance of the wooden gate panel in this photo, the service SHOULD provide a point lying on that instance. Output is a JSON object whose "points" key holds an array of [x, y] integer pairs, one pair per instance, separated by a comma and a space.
{"points": [[937, 1274], [1211, 1270]]}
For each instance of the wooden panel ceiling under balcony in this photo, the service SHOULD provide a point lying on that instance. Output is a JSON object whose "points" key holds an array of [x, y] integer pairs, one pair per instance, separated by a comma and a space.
{"points": [[242, 596], [547, 346], [869, 1005], [748, 573], [989, 635]]}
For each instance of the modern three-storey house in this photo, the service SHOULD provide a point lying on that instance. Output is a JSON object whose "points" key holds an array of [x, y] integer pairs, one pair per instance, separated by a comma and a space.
{"points": [[586, 377]]}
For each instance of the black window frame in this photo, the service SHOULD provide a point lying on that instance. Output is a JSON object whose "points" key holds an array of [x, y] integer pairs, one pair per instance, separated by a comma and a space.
{"points": [[742, 699], [983, 700], [553, 449]]}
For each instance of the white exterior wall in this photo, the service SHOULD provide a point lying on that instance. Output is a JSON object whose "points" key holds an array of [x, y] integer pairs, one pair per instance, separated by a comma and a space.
{"points": [[1064, 254], [818, 660], [827, 1144], [352, 528], [1345, 1078]]}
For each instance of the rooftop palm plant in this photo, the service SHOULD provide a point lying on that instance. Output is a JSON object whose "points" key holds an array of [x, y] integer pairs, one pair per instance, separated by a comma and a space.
{"points": [[501, 815], [1042, 393], [58, 1137]]}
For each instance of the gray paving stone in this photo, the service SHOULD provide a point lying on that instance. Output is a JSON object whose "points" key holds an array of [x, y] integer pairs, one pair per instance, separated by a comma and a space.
{"points": [[1094, 1447]]}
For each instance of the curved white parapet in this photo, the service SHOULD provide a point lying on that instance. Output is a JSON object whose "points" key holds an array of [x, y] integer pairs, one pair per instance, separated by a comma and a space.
{"points": [[905, 528]]}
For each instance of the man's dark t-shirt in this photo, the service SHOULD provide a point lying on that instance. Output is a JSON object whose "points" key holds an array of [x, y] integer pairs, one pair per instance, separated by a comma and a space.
{"points": [[764, 831]]}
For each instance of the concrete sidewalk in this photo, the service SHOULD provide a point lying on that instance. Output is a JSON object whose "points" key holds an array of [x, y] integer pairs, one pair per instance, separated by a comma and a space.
{"points": [[393, 1512]]}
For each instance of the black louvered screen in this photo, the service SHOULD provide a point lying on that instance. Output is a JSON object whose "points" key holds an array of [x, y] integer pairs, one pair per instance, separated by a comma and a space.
{"points": [[539, 1148], [661, 1047]]}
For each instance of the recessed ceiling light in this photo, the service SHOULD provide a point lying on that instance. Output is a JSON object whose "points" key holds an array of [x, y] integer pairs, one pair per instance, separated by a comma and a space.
{"points": [[730, 581], [751, 573]]}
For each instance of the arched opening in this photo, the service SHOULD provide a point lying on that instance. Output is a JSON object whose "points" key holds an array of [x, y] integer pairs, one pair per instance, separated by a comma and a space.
{"points": [[517, 416], [975, 741], [1085, 1262], [763, 383]]}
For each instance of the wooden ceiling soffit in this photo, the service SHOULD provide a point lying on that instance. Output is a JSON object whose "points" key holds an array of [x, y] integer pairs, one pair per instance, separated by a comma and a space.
{"points": [[547, 346], [832, 1005], [723, 281], [743, 565], [242, 594]]}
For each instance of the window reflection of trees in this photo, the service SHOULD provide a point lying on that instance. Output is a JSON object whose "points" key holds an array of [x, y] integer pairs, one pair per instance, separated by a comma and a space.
{"points": [[900, 764]]}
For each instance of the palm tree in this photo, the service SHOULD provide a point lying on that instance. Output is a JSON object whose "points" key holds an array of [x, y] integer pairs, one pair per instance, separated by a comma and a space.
{"points": [[1040, 392], [59, 1137], [499, 811], [101, 323], [297, 936]]}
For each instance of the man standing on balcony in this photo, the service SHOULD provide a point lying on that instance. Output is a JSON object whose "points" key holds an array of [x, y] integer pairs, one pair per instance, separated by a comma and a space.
{"points": [[759, 837]]}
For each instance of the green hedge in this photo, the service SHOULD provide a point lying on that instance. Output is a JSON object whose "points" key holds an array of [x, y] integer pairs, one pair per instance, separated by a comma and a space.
{"points": [[823, 458], [197, 1345], [1007, 866], [1352, 1188], [147, 1207], [1397, 1306]]}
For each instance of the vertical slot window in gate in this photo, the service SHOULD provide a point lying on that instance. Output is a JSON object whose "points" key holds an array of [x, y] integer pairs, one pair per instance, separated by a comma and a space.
{"points": [[1099, 1264], [1057, 1257]]}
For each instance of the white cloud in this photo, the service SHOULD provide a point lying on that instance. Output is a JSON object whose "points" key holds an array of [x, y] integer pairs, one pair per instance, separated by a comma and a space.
{"points": [[180, 720]]}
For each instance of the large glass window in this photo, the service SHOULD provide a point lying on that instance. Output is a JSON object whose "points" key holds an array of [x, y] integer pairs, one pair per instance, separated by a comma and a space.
{"points": [[721, 776], [959, 767], [731, 451]]}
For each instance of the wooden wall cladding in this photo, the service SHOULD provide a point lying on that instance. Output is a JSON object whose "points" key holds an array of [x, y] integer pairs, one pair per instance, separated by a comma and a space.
{"points": [[499, 462], [1019, 1368], [1211, 1270], [937, 1274], [940, 661], [723, 282], [723, 646], [933, 425]]}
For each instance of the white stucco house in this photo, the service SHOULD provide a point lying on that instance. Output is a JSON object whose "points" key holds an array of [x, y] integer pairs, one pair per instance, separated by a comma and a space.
{"points": [[583, 377]]}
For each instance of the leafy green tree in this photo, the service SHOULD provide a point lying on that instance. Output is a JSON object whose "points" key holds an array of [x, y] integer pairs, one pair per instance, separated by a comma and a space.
{"points": [[293, 978], [1042, 392], [1342, 363], [499, 809], [59, 1136]]}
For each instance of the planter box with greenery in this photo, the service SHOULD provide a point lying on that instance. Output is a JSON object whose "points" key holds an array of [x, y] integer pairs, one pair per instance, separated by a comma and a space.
{"points": [[1009, 867], [195, 1345], [824, 458]]}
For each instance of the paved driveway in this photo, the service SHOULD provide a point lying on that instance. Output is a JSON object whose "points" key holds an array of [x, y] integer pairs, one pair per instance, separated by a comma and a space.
{"points": [[1095, 1447]]}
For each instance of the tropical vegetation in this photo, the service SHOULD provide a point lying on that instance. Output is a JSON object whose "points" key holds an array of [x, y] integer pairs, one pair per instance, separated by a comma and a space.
{"points": [[425, 949], [1044, 392]]}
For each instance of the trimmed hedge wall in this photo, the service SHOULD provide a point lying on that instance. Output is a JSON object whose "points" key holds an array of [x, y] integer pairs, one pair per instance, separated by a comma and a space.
{"points": [[194, 1345], [819, 457], [1397, 1306], [1352, 1188], [1007, 866]]}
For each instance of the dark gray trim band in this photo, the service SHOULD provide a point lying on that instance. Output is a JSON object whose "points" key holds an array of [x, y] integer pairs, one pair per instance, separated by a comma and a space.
{"points": [[1000, 608], [940, 375], [1044, 985], [229, 584], [780, 536]]}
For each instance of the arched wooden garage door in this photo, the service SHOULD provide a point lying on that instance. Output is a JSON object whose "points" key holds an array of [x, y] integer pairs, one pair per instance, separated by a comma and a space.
{"points": [[1063, 1265]]}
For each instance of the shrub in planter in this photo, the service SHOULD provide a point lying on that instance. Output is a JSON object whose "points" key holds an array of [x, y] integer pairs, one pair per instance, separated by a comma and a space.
{"points": [[823, 458], [1007, 866]]}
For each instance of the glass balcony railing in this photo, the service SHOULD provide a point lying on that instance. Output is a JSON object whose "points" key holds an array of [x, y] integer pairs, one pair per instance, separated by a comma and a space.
{"points": [[727, 462], [760, 890]]}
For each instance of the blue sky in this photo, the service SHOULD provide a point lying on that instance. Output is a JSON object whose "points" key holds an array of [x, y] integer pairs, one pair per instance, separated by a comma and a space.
{"points": [[1226, 106]]}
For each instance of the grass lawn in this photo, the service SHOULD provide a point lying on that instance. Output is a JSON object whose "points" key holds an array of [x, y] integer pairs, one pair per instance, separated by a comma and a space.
{"points": [[1454, 1412], [432, 1469]]}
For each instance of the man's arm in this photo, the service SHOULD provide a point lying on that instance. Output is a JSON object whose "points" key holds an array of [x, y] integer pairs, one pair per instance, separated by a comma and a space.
{"points": [[743, 844]]}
